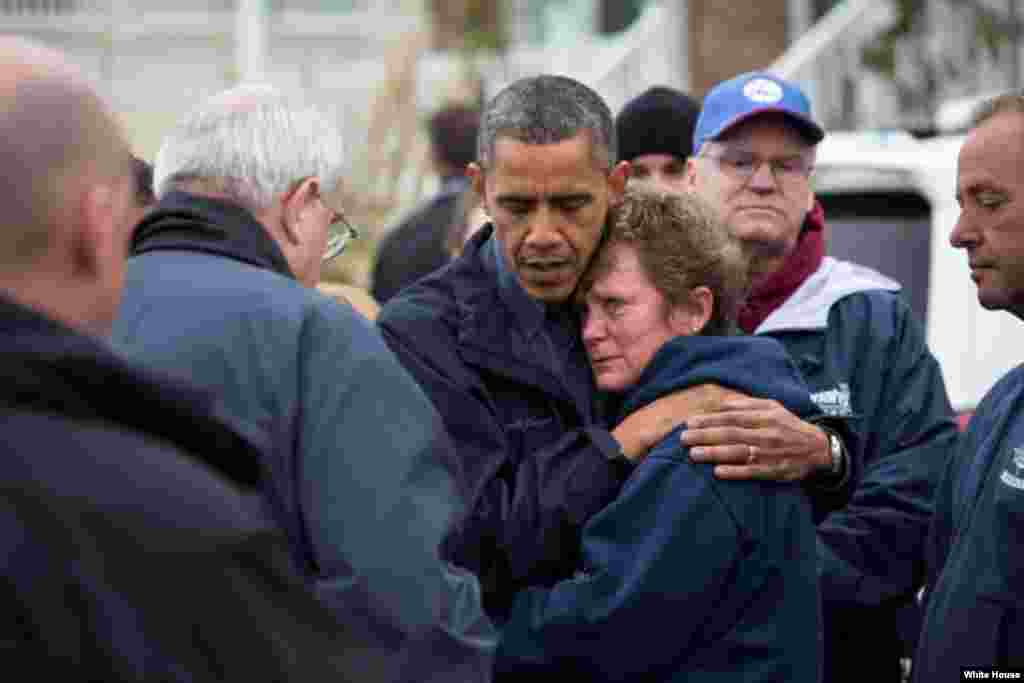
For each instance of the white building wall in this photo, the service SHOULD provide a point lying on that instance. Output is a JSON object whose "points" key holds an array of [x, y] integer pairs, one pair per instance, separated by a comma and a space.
{"points": [[157, 58]]}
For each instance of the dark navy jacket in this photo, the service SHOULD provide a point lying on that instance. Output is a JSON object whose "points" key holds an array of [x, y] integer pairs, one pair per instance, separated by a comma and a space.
{"points": [[363, 477], [133, 543], [864, 357], [686, 577], [535, 453], [975, 604]]}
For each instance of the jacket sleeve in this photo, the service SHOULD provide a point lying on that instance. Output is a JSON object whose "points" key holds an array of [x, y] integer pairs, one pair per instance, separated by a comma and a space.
{"points": [[644, 563], [380, 487], [872, 549], [528, 500], [826, 491], [940, 532]]}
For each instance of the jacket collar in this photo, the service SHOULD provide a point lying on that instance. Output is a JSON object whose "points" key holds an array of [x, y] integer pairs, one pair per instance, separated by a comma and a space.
{"points": [[189, 222], [808, 307], [491, 332], [767, 295], [529, 312], [758, 366], [47, 367]]}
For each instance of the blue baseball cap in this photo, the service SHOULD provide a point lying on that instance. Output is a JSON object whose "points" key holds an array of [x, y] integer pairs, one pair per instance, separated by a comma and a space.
{"points": [[757, 92]]}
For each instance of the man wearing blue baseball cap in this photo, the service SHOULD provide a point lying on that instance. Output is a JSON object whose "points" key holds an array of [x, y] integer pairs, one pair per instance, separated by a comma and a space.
{"points": [[862, 353]]}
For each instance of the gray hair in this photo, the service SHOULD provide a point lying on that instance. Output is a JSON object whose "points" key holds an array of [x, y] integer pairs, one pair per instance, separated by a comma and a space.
{"points": [[251, 143], [546, 109], [1010, 102]]}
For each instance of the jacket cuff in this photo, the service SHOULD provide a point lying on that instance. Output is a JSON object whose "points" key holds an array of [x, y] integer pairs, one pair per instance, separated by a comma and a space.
{"points": [[609, 447], [594, 479], [828, 482]]}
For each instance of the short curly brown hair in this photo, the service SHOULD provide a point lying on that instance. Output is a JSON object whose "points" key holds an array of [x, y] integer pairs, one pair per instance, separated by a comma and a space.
{"points": [[681, 244]]}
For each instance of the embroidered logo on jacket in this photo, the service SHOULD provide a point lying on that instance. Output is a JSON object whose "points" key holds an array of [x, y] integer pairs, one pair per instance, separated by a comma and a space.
{"points": [[835, 402], [1015, 480]]}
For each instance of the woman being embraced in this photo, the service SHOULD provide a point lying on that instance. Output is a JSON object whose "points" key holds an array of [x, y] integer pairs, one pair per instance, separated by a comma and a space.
{"points": [[684, 577]]}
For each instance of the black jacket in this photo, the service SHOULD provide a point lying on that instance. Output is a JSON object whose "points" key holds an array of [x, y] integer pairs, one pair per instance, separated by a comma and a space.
{"points": [[132, 544], [416, 247]]}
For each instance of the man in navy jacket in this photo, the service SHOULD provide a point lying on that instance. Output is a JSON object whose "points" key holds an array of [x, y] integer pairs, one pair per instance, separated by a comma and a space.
{"points": [[974, 615], [858, 347]]}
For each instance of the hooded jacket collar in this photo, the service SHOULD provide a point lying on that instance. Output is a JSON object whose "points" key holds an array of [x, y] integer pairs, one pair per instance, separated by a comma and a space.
{"points": [[187, 222], [46, 367], [758, 366]]}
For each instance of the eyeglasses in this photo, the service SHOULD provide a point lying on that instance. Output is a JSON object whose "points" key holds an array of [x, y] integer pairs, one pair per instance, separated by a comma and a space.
{"points": [[341, 233], [743, 165]]}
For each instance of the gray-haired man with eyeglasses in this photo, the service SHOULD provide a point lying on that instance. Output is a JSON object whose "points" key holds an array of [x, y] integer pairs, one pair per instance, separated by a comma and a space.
{"points": [[359, 472], [862, 353]]}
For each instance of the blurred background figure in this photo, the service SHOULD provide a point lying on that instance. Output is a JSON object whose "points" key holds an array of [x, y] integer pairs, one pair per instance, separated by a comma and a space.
{"points": [[655, 132], [143, 197], [142, 171], [417, 246], [469, 217]]}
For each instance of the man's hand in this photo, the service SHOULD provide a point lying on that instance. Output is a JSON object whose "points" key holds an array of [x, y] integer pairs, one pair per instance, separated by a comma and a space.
{"points": [[752, 438], [644, 428]]}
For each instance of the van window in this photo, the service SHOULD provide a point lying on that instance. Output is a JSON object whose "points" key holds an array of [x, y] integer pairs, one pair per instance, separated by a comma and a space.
{"points": [[887, 231]]}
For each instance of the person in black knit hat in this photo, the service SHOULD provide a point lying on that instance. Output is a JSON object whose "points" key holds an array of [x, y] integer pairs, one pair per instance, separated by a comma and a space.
{"points": [[655, 133]]}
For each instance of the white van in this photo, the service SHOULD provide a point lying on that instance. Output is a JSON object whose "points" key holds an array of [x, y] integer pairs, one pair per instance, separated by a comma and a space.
{"points": [[890, 204]]}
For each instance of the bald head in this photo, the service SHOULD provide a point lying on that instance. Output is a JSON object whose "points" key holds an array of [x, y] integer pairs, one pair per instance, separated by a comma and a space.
{"points": [[56, 136]]}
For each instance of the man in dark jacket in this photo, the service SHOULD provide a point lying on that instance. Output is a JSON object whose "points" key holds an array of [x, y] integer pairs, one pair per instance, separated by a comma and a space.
{"points": [[133, 544], [975, 600], [418, 245], [495, 343], [860, 350], [220, 288]]}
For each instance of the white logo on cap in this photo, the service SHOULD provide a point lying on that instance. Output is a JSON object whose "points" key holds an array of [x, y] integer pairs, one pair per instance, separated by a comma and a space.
{"points": [[762, 90]]}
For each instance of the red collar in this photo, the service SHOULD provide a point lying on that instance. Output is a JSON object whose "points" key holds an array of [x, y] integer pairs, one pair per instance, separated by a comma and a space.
{"points": [[772, 292]]}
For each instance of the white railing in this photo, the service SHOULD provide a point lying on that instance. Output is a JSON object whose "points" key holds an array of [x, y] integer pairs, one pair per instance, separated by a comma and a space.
{"points": [[650, 52], [37, 7], [653, 51], [62, 8], [826, 62]]}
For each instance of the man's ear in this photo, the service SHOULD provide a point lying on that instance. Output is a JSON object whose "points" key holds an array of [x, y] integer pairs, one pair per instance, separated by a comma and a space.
{"points": [[478, 182], [691, 173], [617, 179], [690, 317], [91, 231], [296, 206], [476, 177]]}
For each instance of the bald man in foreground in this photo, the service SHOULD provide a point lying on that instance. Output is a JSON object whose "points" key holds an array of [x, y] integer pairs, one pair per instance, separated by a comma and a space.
{"points": [[132, 544]]}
